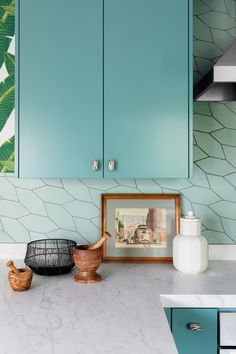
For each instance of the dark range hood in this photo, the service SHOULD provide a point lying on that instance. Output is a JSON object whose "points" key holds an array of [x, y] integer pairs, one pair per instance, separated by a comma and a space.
{"points": [[219, 84]]}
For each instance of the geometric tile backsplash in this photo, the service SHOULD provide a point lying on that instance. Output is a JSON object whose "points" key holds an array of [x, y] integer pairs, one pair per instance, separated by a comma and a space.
{"points": [[34, 209]]}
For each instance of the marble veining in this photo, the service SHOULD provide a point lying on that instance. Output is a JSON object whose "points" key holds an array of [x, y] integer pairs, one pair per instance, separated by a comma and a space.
{"points": [[122, 315]]}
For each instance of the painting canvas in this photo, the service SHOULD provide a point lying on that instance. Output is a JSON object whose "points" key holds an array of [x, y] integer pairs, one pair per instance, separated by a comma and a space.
{"points": [[140, 228]]}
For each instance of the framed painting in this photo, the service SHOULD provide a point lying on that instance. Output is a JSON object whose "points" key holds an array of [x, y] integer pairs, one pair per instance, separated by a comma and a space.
{"points": [[142, 226]]}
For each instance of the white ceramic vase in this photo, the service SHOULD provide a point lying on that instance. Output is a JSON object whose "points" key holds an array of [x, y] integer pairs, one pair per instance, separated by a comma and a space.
{"points": [[190, 248]]}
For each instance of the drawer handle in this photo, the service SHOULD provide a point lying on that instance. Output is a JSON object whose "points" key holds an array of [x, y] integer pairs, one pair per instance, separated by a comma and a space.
{"points": [[95, 165], [111, 165], [195, 326]]}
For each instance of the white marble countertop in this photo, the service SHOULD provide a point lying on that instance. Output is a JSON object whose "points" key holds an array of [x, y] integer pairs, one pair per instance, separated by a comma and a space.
{"points": [[121, 315]]}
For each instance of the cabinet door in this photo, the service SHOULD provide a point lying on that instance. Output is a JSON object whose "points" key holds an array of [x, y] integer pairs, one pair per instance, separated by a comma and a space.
{"points": [[146, 88], [59, 87], [188, 340]]}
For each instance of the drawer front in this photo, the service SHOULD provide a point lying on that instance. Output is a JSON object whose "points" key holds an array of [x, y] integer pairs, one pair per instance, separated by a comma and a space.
{"points": [[228, 351], [187, 338], [228, 329]]}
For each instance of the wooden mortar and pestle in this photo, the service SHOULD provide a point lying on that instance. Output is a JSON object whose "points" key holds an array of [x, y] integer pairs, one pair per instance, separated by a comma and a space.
{"points": [[20, 279], [87, 259]]}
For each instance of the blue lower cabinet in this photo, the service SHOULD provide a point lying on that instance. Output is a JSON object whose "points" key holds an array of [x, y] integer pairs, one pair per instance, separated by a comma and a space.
{"points": [[195, 330], [168, 315]]}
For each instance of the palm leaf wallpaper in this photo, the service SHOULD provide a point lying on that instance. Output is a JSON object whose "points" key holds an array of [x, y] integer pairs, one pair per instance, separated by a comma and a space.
{"points": [[7, 85]]}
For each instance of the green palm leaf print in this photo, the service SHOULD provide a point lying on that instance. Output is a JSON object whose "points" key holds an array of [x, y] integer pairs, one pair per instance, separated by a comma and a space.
{"points": [[7, 86]]}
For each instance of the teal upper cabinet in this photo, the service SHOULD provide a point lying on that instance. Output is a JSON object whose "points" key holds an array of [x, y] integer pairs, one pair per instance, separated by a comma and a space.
{"points": [[59, 87], [146, 88], [104, 80]]}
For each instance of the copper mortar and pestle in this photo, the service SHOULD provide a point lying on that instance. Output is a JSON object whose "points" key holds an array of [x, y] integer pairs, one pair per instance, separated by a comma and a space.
{"points": [[19, 278], [87, 259]]}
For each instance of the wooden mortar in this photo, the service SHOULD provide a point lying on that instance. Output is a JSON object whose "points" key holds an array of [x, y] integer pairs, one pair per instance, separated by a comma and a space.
{"points": [[20, 279], [87, 261]]}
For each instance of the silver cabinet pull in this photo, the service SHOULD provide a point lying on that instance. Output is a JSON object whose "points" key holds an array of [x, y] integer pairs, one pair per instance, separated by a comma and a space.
{"points": [[111, 165], [195, 326], [95, 165]]}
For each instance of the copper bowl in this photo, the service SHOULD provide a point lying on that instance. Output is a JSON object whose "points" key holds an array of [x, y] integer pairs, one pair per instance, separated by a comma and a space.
{"points": [[87, 261]]}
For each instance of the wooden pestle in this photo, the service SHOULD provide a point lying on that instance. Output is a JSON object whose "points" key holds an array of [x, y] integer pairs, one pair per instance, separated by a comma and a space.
{"points": [[100, 242], [10, 264]]}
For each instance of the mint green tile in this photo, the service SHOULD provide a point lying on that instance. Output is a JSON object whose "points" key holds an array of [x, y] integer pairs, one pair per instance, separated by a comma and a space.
{"points": [[230, 153], [7, 190], [206, 50], [204, 65], [77, 189], [148, 186], [175, 184], [12, 209], [199, 177], [31, 201], [209, 218], [26, 183], [87, 229], [214, 237], [224, 189], [200, 195], [38, 223], [209, 145], [68, 235], [205, 123], [34, 236], [231, 7], [225, 209], [96, 197], [82, 209], [230, 227], [221, 38], [60, 216], [96, 222], [53, 195], [201, 31], [224, 115], [226, 136], [126, 182], [53, 182], [202, 108], [231, 105], [5, 238], [216, 5], [199, 7], [15, 230], [215, 166], [232, 179], [102, 184], [198, 154], [124, 189], [218, 20], [232, 32]]}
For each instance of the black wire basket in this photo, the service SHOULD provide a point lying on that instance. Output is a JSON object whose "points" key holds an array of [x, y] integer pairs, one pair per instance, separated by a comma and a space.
{"points": [[50, 256]]}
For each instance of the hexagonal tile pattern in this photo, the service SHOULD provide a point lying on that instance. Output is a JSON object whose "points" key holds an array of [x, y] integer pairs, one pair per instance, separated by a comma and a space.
{"points": [[31, 201], [201, 195], [216, 166], [60, 216], [53, 194], [38, 223], [82, 209]]}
